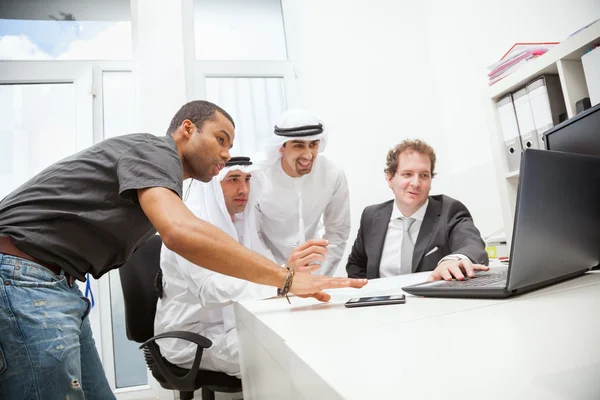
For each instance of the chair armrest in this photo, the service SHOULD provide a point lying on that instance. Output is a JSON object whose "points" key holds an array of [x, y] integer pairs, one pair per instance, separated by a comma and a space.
{"points": [[182, 383], [200, 340]]}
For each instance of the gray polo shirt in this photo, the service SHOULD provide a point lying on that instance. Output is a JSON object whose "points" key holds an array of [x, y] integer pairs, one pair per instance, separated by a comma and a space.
{"points": [[82, 213]]}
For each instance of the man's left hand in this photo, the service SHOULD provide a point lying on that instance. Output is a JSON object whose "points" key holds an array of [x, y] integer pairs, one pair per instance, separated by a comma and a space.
{"points": [[307, 257], [456, 269]]}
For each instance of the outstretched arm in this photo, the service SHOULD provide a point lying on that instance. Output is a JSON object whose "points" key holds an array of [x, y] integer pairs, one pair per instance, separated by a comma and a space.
{"points": [[204, 244]]}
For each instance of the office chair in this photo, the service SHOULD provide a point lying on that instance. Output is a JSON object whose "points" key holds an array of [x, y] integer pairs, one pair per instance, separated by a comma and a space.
{"points": [[138, 276]]}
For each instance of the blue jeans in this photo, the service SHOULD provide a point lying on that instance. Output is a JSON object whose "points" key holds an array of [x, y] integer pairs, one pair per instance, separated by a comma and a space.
{"points": [[46, 346]]}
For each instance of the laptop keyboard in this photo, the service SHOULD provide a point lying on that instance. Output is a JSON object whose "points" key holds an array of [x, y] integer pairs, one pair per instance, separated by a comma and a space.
{"points": [[478, 281]]}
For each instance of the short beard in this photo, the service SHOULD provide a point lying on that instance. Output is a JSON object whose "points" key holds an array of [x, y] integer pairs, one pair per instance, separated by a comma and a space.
{"points": [[303, 172], [205, 177]]}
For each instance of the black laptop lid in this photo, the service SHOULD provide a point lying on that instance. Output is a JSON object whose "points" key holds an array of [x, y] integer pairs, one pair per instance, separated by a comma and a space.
{"points": [[557, 221]]}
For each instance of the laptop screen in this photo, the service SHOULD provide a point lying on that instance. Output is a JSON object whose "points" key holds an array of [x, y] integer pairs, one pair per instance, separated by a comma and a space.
{"points": [[557, 220]]}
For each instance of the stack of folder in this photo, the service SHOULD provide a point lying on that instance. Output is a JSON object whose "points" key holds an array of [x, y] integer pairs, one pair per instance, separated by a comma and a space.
{"points": [[527, 113], [515, 57]]}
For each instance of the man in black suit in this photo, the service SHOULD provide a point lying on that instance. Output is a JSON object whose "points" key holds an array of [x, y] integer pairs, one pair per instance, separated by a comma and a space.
{"points": [[416, 232]]}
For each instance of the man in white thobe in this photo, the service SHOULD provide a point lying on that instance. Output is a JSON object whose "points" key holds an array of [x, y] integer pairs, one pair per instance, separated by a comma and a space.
{"points": [[198, 300], [300, 196]]}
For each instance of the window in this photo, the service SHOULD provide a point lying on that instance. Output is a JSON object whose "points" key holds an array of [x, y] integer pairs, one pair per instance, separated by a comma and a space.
{"points": [[65, 30], [254, 104], [118, 103], [239, 30], [118, 108], [37, 128], [241, 65], [130, 366]]}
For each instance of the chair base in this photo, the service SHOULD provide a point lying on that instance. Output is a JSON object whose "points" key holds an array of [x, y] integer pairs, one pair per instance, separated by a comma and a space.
{"points": [[187, 395], [207, 394]]}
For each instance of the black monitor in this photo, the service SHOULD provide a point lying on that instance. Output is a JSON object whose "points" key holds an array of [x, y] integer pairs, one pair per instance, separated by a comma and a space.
{"points": [[580, 134]]}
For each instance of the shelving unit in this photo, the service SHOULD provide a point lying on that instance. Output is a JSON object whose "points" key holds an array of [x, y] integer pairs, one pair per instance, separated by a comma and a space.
{"points": [[565, 60]]}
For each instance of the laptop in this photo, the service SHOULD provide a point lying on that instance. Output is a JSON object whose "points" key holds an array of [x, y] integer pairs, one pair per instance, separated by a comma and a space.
{"points": [[556, 233]]}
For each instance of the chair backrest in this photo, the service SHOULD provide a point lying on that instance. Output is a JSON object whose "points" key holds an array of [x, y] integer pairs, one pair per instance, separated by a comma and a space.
{"points": [[138, 275]]}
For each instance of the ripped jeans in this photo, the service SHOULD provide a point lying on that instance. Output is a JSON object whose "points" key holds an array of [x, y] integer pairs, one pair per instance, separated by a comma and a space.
{"points": [[46, 346]]}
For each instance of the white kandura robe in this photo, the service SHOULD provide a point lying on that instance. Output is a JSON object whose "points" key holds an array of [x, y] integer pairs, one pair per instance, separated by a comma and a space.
{"points": [[293, 210], [198, 300]]}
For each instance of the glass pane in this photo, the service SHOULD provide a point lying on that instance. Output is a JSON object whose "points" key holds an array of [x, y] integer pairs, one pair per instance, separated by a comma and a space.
{"points": [[130, 367], [37, 128], [255, 105], [239, 30], [118, 108], [118, 103], [65, 30]]}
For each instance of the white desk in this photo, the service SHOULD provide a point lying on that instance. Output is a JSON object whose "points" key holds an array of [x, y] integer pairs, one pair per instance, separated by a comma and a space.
{"points": [[427, 348]]}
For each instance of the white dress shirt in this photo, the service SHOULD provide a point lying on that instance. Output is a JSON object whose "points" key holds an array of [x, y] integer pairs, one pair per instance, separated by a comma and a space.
{"points": [[293, 210], [390, 256]]}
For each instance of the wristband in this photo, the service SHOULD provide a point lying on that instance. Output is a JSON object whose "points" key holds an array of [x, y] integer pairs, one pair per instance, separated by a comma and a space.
{"points": [[287, 284]]}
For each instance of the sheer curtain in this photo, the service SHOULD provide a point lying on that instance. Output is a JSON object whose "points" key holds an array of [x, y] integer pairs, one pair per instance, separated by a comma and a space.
{"points": [[37, 128], [255, 105]]}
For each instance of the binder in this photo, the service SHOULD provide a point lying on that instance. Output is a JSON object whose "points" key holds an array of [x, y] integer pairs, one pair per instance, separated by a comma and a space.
{"points": [[525, 122], [510, 132], [591, 65], [547, 103]]}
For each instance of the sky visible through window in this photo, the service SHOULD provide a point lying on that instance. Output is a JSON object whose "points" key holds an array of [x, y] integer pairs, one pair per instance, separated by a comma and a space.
{"points": [[64, 40]]}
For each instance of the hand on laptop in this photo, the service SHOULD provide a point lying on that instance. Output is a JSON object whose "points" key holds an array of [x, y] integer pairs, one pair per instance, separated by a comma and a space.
{"points": [[456, 269]]}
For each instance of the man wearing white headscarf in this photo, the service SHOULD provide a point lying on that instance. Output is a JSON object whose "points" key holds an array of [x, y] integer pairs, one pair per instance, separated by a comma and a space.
{"points": [[198, 300], [300, 194]]}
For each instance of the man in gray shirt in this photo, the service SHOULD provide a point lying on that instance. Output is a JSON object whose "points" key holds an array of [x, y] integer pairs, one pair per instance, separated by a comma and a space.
{"points": [[89, 213]]}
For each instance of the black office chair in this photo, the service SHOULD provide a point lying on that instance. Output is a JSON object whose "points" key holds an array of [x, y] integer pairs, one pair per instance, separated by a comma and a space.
{"points": [[138, 278]]}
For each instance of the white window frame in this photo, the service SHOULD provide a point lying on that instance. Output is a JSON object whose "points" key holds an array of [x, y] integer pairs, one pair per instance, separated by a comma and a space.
{"points": [[198, 70], [87, 78], [245, 69]]}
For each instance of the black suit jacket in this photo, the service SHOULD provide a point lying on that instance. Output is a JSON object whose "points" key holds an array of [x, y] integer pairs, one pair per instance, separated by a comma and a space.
{"points": [[447, 225]]}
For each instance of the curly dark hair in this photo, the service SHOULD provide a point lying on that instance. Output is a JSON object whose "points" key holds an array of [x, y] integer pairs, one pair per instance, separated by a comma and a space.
{"points": [[391, 162], [197, 111]]}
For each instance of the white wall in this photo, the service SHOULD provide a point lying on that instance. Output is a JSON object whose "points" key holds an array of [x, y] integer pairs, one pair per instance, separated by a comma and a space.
{"points": [[380, 71], [158, 63]]}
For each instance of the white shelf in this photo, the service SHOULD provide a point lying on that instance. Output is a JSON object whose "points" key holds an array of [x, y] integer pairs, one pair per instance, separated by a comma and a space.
{"points": [[570, 49], [563, 60]]}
